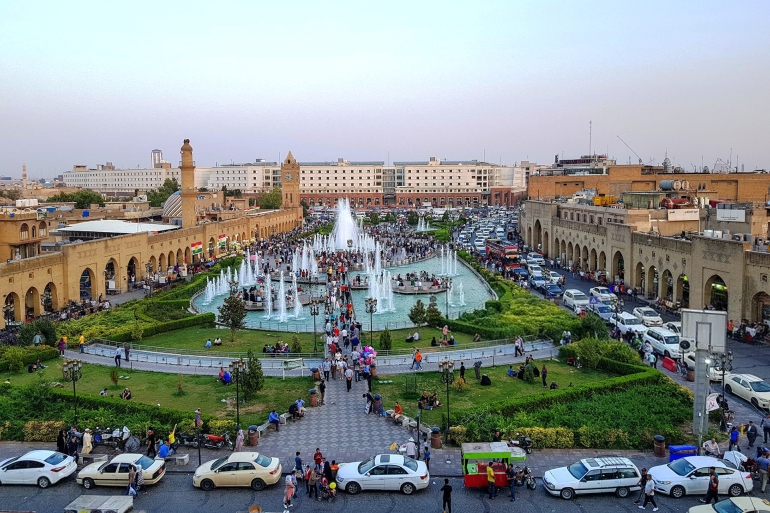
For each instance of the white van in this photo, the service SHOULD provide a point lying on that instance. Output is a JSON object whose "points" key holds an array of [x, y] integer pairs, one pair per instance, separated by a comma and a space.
{"points": [[575, 300]]}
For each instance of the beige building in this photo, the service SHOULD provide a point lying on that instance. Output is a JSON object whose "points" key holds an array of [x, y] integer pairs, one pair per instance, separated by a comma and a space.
{"points": [[35, 283], [695, 270]]}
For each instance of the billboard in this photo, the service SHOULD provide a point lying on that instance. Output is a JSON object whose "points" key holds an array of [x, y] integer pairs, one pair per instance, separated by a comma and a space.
{"points": [[728, 214], [683, 214]]}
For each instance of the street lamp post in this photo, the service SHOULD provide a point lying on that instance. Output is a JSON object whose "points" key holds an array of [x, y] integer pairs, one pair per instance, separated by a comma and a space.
{"points": [[447, 370], [724, 365], [71, 372], [236, 367], [148, 267], [314, 311], [371, 307]]}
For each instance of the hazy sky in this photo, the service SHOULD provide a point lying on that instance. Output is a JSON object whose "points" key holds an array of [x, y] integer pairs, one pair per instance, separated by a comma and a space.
{"points": [[90, 82]]}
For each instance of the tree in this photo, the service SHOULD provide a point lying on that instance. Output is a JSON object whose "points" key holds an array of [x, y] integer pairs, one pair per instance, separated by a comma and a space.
{"points": [[374, 217], [43, 326], [445, 217], [296, 345], [231, 314], [83, 198], [412, 218], [252, 379], [417, 314], [433, 315], [386, 341], [158, 197], [305, 207], [271, 200]]}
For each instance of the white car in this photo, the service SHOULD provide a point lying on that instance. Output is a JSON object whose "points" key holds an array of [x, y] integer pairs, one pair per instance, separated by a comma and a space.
{"points": [[556, 278], [41, 468], [602, 293], [676, 327], [689, 360], [750, 388], [593, 475], [648, 316], [602, 310], [624, 321], [115, 472], [690, 476], [734, 505], [663, 342], [384, 472]]}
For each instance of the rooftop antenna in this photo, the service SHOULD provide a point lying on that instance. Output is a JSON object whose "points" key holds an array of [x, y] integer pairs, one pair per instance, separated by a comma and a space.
{"points": [[630, 148], [590, 136]]}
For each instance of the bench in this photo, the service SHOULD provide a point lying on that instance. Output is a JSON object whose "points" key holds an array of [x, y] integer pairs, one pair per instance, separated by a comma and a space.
{"points": [[92, 457], [179, 460], [262, 428]]}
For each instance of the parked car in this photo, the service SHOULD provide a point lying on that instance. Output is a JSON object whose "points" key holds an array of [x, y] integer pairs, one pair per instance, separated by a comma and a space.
{"points": [[41, 468], [663, 342], [602, 310], [594, 475], [536, 281], [690, 476], [250, 469], [676, 327], [115, 472], [648, 316], [520, 273], [537, 257], [556, 278], [602, 293], [734, 505], [575, 300], [552, 289], [624, 321], [384, 472], [689, 360], [750, 388]]}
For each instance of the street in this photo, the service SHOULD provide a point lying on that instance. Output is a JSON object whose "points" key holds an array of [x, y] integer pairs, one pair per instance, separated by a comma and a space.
{"points": [[175, 494]]}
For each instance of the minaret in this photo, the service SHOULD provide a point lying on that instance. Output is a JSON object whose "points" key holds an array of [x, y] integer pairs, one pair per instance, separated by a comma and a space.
{"points": [[24, 176], [187, 170]]}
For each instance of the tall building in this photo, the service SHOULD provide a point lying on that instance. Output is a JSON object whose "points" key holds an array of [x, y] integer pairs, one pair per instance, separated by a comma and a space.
{"points": [[187, 186]]}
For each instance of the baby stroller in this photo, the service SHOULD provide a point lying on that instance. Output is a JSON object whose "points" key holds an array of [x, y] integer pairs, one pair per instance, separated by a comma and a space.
{"points": [[328, 490]]}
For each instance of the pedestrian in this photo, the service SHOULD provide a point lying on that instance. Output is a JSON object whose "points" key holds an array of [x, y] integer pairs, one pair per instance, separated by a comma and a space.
{"points": [[414, 358], [72, 447], [318, 458], [288, 490], [198, 421], [81, 343], [61, 442], [140, 486], [713, 487], [418, 360], [349, 378], [491, 480], [653, 360], [426, 457], [117, 357], [327, 367], [322, 389], [37, 339], [87, 443], [649, 494], [543, 374], [765, 425], [410, 448], [239, 439], [734, 436], [131, 481], [126, 350], [764, 467], [751, 433], [298, 463], [446, 500], [62, 346], [462, 371], [511, 473], [312, 483], [151, 453]]}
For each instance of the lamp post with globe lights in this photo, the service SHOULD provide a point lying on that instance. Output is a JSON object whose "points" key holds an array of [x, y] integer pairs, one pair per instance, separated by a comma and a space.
{"points": [[71, 372], [314, 311], [236, 368], [371, 307], [724, 364], [446, 369]]}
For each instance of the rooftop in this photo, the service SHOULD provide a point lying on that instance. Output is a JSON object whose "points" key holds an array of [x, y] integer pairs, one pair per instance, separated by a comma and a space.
{"points": [[116, 227]]}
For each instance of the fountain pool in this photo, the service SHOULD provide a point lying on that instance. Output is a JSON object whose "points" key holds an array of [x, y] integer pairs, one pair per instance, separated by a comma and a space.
{"points": [[468, 289]]}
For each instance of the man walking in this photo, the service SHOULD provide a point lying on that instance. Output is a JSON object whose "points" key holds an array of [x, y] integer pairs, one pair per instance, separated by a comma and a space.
{"points": [[462, 371], [713, 489], [765, 425], [491, 481], [512, 481], [322, 389], [151, 443], [414, 358], [418, 360], [642, 483], [734, 434], [349, 378], [446, 500], [751, 433], [649, 494], [117, 356], [764, 466], [411, 448], [544, 374], [326, 366]]}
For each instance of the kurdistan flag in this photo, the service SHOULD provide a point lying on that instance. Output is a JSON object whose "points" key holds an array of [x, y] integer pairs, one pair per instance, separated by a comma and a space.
{"points": [[197, 248]]}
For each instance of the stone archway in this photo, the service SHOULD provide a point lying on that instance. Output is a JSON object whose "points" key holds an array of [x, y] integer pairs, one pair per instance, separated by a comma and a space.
{"points": [[131, 269], [715, 293], [545, 244], [683, 290], [111, 272], [639, 278], [87, 284], [563, 251], [50, 299], [570, 257], [154, 263], [171, 260], [187, 256], [179, 257], [537, 243], [162, 262], [618, 266], [592, 260], [668, 286], [31, 303], [584, 257], [12, 309], [603, 262], [760, 308], [529, 236], [653, 282], [557, 248]]}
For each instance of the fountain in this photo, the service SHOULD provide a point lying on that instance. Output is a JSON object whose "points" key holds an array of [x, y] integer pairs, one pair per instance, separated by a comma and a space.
{"points": [[268, 297], [460, 293], [282, 317], [295, 292], [345, 228]]}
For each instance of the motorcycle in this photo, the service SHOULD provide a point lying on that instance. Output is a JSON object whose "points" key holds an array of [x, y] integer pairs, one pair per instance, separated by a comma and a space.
{"points": [[116, 438], [524, 475], [187, 440], [523, 442], [217, 441]]}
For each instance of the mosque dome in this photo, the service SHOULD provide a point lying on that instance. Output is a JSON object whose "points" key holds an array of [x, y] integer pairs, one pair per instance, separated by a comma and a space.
{"points": [[173, 206]]}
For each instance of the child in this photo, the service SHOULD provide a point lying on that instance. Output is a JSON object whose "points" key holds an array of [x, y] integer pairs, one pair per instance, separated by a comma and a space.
{"points": [[426, 456]]}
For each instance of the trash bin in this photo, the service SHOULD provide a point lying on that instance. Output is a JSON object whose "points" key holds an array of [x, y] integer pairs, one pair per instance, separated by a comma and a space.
{"points": [[316, 373], [373, 370], [435, 438], [377, 406], [313, 397], [690, 373], [659, 446], [477, 369], [253, 436], [676, 452]]}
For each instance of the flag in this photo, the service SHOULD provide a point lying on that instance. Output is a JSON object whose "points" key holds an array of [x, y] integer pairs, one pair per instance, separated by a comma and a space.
{"points": [[222, 239], [712, 402], [197, 247]]}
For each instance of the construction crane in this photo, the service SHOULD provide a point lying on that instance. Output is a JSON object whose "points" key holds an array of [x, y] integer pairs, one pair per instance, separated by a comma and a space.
{"points": [[632, 150]]}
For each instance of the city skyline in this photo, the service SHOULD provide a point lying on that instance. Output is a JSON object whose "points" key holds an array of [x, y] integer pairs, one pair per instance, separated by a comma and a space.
{"points": [[511, 81]]}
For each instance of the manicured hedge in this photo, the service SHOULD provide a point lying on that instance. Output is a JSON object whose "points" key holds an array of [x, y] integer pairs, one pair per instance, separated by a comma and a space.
{"points": [[207, 318], [45, 353]]}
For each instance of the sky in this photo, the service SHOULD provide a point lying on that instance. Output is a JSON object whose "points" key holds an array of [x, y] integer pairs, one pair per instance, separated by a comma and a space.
{"points": [[91, 82]]}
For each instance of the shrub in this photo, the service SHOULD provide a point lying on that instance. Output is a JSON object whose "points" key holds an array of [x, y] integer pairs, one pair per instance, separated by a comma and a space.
{"points": [[219, 427], [42, 431], [554, 438], [386, 341], [529, 373], [459, 434], [296, 345], [31, 354], [43, 326], [15, 358]]}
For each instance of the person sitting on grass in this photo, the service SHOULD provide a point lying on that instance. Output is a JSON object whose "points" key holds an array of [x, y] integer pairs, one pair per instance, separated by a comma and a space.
{"points": [[218, 341], [511, 372], [554, 386], [226, 378], [433, 401]]}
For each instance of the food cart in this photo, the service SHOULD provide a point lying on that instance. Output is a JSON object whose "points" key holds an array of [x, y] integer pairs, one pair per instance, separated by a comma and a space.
{"points": [[477, 455]]}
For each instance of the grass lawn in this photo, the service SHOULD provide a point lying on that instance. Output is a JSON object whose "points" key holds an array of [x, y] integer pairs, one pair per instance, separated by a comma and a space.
{"points": [[195, 337], [200, 391], [474, 394]]}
